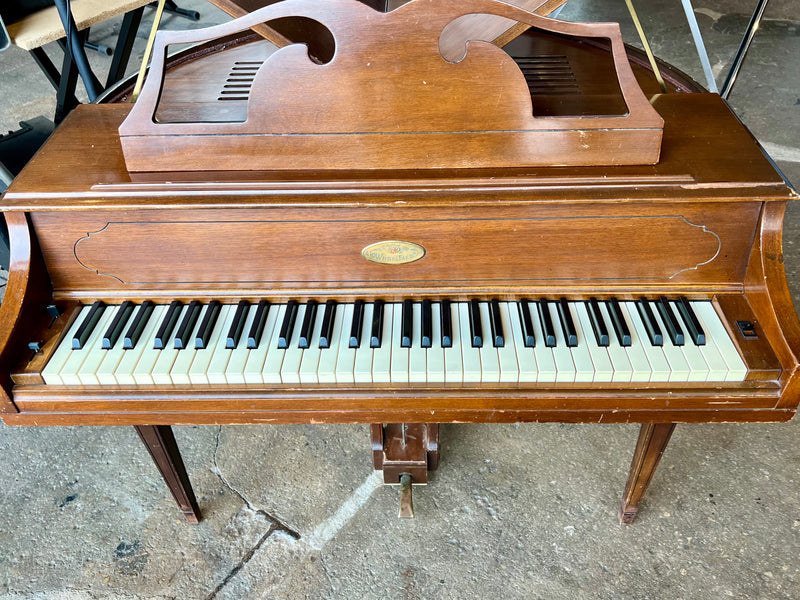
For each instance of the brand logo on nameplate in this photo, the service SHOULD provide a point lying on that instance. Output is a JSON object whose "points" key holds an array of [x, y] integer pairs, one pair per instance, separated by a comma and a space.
{"points": [[393, 252]]}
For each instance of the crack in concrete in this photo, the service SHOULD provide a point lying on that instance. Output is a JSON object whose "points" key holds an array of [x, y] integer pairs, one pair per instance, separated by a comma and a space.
{"points": [[242, 563], [277, 524]]}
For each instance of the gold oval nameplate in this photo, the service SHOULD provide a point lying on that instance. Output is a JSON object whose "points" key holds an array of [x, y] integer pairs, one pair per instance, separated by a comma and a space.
{"points": [[393, 252]]}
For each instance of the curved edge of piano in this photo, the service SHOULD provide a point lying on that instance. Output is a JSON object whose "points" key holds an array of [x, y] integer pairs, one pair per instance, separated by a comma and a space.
{"points": [[27, 293], [767, 291]]}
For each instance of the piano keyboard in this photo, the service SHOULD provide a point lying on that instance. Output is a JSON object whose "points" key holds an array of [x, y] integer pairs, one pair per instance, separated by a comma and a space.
{"points": [[646, 340]]}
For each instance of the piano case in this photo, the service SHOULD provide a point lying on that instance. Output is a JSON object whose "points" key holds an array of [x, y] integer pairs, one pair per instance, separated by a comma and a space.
{"points": [[318, 193]]}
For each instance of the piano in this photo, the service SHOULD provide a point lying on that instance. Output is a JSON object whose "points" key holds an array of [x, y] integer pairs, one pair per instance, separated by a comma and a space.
{"points": [[170, 266]]}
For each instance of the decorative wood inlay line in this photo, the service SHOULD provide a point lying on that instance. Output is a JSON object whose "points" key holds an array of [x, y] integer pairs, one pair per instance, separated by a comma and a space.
{"points": [[271, 253]]}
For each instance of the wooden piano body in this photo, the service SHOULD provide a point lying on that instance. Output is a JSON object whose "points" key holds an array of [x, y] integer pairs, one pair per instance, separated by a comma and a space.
{"points": [[704, 223]]}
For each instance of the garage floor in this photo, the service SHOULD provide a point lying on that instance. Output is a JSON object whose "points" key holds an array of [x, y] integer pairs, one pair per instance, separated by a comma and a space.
{"points": [[523, 511]]}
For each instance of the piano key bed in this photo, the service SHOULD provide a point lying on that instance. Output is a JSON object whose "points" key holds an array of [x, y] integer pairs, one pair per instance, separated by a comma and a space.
{"points": [[490, 342]]}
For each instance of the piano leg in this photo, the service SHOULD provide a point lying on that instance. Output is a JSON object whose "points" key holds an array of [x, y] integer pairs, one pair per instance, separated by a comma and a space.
{"points": [[653, 439], [160, 442]]}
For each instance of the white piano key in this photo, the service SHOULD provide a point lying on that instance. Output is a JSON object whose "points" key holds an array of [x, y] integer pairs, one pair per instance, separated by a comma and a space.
{"points": [[526, 361], [255, 368], [162, 360], [659, 367], [434, 356], [290, 367], [88, 371], [399, 359], [233, 372], [453, 364], [105, 372], [698, 367], [507, 355], [620, 362], [714, 328], [603, 369], [417, 355], [362, 367], [220, 355], [271, 365], [565, 367], [179, 373], [585, 369], [71, 373], [490, 363], [50, 373], [640, 365], [328, 357], [309, 364], [545, 361], [346, 356], [678, 367], [201, 365], [124, 371], [382, 357], [470, 357]]}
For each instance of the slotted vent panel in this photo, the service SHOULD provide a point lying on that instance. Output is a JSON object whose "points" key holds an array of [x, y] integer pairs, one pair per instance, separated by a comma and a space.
{"points": [[239, 81], [548, 75]]}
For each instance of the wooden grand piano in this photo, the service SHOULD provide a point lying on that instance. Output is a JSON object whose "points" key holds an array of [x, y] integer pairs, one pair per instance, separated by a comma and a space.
{"points": [[367, 236]]}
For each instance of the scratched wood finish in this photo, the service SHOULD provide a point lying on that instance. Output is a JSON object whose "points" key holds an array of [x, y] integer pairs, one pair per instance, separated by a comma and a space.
{"points": [[566, 77], [418, 110], [88, 148], [288, 249]]}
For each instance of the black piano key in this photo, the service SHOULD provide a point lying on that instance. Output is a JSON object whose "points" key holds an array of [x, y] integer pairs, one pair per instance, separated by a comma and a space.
{"points": [[524, 311], [88, 325], [167, 325], [259, 320], [287, 327], [137, 326], [357, 324], [307, 328], [446, 315], [114, 330], [692, 324], [567, 324], [207, 326], [377, 324], [547, 323], [475, 326], [649, 320], [237, 325], [187, 325], [670, 322], [498, 335], [598, 324], [426, 336], [407, 324], [327, 324], [618, 322]]}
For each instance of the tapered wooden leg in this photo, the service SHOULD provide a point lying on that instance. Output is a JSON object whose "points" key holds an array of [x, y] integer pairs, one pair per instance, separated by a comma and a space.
{"points": [[653, 439], [160, 442]]}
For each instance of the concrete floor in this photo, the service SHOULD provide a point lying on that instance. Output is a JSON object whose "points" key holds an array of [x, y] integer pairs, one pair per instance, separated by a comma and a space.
{"points": [[522, 511]]}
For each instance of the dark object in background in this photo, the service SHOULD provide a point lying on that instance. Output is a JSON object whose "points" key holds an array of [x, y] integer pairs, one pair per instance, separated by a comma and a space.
{"points": [[14, 10]]}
